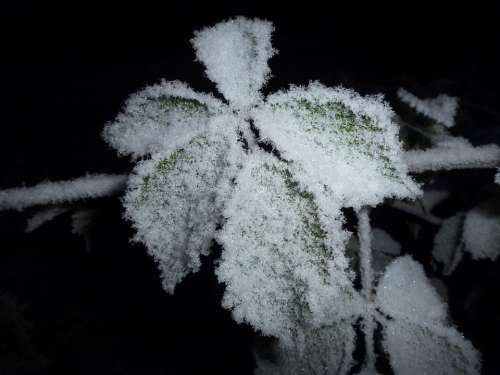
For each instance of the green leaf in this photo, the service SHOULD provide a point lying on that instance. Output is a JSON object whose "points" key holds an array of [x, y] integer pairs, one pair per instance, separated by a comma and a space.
{"points": [[174, 202], [340, 144]]}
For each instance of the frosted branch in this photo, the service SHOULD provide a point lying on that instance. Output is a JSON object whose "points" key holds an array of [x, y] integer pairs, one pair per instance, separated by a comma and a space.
{"points": [[90, 186], [445, 157]]}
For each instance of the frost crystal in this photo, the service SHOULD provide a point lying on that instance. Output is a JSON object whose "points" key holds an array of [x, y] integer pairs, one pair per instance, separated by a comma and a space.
{"points": [[442, 108]]}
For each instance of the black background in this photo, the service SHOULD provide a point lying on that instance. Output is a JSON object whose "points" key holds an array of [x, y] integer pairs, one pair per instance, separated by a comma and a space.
{"points": [[67, 67]]}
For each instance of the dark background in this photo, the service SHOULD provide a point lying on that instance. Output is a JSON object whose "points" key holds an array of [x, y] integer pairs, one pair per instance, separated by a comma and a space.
{"points": [[66, 69]]}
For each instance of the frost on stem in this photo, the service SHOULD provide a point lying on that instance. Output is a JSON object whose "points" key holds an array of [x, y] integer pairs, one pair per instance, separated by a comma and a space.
{"points": [[281, 269], [46, 193], [453, 153], [441, 109]]}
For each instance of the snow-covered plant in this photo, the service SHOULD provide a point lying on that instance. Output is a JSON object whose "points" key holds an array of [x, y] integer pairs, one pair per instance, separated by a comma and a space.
{"points": [[269, 178]]}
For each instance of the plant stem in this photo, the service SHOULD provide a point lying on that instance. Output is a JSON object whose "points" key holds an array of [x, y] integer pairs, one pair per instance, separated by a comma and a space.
{"points": [[364, 235]]}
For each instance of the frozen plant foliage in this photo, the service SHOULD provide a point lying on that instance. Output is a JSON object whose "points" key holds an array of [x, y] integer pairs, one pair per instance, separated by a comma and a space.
{"points": [[90, 186], [441, 109], [268, 179]]}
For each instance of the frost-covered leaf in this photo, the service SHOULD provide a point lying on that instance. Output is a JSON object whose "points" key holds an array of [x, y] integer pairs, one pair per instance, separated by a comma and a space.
{"points": [[161, 117], [405, 293], [417, 336], [448, 247], [441, 109], [281, 268], [235, 55], [482, 233], [429, 349], [344, 147], [174, 202], [323, 351]]}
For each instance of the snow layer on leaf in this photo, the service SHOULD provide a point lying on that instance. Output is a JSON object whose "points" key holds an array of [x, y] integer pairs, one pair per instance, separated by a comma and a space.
{"points": [[404, 292], [235, 54], [343, 146], [448, 247], [44, 216], [452, 153], [280, 268], [324, 351], [429, 349], [48, 192], [442, 108], [161, 117], [482, 233], [174, 202], [417, 336]]}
